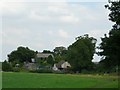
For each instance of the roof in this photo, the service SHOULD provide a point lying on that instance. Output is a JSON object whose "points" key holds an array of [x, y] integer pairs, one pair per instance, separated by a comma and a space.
{"points": [[44, 55], [60, 63]]}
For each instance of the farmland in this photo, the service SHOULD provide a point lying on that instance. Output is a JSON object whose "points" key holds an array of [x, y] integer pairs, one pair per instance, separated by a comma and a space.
{"points": [[37, 80]]}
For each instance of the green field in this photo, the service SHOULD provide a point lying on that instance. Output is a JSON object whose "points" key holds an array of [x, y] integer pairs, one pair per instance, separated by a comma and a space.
{"points": [[0, 80], [37, 80]]}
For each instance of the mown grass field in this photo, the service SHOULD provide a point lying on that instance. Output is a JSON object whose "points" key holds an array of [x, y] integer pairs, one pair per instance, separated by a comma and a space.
{"points": [[37, 80], [0, 80]]}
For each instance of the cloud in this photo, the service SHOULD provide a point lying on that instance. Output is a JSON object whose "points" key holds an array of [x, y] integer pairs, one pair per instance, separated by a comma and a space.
{"points": [[13, 36], [59, 8], [35, 16], [98, 34], [58, 43], [69, 19], [12, 7], [54, 12], [50, 32], [59, 34], [95, 33], [62, 33]]}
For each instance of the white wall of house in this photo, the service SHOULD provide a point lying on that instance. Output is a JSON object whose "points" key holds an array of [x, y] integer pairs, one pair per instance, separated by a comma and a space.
{"points": [[55, 68], [65, 65]]}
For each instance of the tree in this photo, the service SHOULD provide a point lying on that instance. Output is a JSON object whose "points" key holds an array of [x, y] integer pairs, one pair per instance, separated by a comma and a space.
{"points": [[47, 51], [80, 53], [110, 46], [59, 50], [50, 60], [60, 53], [21, 55], [6, 66]]}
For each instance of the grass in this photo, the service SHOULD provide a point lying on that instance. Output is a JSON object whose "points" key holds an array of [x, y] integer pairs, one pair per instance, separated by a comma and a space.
{"points": [[0, 80], [37, 80]]}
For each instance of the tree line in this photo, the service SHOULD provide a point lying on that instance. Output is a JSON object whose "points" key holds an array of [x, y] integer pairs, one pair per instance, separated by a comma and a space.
{"points": [[80, 53]]}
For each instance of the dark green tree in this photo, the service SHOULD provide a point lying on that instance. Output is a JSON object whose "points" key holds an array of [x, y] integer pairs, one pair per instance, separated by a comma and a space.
{"points": [[47, 51], [80, 53], [21, 55], [6, 66], [50, 60], [110, 46]]}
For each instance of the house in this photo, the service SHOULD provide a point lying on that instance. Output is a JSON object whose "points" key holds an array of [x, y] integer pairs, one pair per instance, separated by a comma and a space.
{"points": [[62, 65], [38, 62], [43, 55], [30, 66]]}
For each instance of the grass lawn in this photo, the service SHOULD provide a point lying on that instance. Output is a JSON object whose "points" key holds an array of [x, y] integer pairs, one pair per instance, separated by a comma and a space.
{"points": [[37, 80], [0, 80]]}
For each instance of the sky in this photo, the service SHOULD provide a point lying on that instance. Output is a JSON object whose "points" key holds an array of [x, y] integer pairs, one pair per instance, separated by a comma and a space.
{"points": [[44, 25]]}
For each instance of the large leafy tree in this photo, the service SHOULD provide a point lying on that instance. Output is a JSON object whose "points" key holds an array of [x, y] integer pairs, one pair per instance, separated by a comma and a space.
{"points": [[110, 45], [80, 53], [21, 55]]}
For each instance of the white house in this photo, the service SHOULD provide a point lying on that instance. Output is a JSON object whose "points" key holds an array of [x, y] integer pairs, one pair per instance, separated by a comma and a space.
{"points": [[61, 65]]}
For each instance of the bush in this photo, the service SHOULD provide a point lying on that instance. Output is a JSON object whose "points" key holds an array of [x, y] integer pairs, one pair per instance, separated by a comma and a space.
{"points": [[58, 72], [16, 69], [85, 71], [41, 71], [6, 66]]}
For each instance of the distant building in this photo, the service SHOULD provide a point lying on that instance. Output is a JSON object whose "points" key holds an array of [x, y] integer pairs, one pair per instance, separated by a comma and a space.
{"points": [[62, 65], [43, 55], [36, 63], [30, 66]]}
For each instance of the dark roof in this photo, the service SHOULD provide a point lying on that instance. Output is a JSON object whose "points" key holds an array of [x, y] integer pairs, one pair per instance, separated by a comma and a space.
{"points": [[60, 63]]}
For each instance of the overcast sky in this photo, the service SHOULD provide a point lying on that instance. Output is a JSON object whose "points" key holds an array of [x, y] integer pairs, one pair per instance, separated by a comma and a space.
{"points": [[45, 25]]}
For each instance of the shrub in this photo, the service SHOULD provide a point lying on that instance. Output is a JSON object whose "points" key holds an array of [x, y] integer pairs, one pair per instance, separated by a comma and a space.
{"points": [[58, 72], [41, 71], [6, 66], [16, 69]]}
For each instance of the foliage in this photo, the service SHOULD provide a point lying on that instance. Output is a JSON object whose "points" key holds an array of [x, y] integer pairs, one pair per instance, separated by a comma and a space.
{"points": [[58, 58], [6, 66], [21, 55], [50, 60], [16, 69], [43, 70], [60, 53], [45, 62], [110, 46], [41, 62], [47, 51], [80, 53], [59, 50]]}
